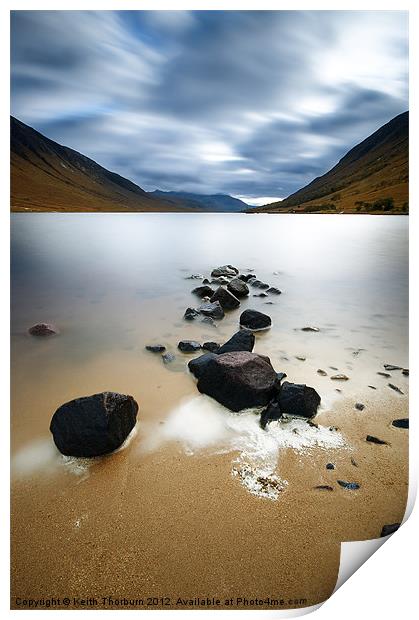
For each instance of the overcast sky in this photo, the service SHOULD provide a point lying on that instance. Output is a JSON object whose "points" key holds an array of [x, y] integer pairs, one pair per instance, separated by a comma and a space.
{"points": [[254, 104]]}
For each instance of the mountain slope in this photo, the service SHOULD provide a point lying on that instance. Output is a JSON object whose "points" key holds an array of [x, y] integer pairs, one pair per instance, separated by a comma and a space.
{"points": [[221, 203], [371, 177], [46, 176]]}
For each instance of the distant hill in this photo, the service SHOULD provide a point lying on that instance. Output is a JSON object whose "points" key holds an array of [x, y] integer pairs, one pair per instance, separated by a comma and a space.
{"points": [[222, 203], [46, 176], [372, 177]]}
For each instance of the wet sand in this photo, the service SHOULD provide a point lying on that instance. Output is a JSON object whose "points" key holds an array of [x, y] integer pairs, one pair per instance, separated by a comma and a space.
{"points": [[160, 522]]}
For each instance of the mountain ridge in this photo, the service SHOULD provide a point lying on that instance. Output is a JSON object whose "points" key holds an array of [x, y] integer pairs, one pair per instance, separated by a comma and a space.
{"points": [[374, 171]]}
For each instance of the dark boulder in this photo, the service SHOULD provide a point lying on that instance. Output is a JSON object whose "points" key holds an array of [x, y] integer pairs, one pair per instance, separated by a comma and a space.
{"points": [[43, 329], [198, 365], [211, 346], [240, 341], [203, 291], [188, 346], [190, 314], [238, 380], [226, 299], [156, 348], [401, 423], [224, 270], [212, 309], [272, 412], [93, 425], [238, 288], [255, 320], [298, 400], [389, 529]]}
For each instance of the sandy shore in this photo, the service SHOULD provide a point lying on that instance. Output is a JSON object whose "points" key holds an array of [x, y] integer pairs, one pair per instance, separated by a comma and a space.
{"points": [[163, 524]]}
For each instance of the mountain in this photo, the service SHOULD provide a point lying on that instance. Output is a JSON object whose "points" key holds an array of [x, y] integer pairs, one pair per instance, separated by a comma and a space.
{"points": [[221, 203], [372, 177], [46, 176]]}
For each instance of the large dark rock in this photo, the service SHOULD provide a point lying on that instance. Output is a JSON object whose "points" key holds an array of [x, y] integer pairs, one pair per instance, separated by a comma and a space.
{"points": [[238, 380], [212, 309], [188, 346], [255, 320], [224, 270], [198, 364], [93, 425], [190, 314], [203, 291], [240, 341], [226, 299], [298, 399], [238, 288], [43, 329], [211, 346]]}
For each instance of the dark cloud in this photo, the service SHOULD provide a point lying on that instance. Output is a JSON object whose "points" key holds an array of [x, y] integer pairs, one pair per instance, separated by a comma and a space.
{"points": [[245, 102]]}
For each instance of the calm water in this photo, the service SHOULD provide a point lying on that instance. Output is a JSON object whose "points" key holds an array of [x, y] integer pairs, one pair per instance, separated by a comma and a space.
{"points": [[113, 283]]}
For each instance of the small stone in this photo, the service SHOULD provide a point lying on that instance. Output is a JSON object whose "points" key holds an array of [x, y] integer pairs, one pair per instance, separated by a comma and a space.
{"points": [[405, 372], [260, 295], [238, 288], [168, 357], [194, 276], [188, 346], [203, 291], [310, 328], [324, 487], [43, 329], [227, 300], [359, 406], [321, 372], [209, 321], [212, 309], [339, 377], [384, 374], [392, 367], [376, 440], [351, 486], [395, 388], [389, 529], [372, 387], [354, 463], [330, 466], [255, 320], [274, 291], [401, 423], [301, 358], [156, 348]]}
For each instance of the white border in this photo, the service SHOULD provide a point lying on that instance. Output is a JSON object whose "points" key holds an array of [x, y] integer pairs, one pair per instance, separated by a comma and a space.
{"points": [[385, 586]]}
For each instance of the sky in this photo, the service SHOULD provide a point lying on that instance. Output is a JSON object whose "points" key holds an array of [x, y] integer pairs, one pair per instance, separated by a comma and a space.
{"points": [[250, 103]]}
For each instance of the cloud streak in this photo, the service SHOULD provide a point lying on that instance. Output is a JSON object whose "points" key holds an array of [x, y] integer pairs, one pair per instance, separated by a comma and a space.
{"points": [[249, 103]]}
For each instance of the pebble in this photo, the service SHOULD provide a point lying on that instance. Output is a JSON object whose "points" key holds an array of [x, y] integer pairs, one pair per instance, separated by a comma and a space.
{"points": [[351, 486], [359, 406], [395, 388], [310, 328], [330, 466], [156, 348], [339, 377], [324, 487], [401, 423], [321, 372], [376, 440]]}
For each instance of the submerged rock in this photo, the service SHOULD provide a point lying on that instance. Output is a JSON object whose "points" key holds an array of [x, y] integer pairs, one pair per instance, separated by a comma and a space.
{"points": [[321, 372], [238, 380], [246, 277], [168, 357], [274, 291], [43, 329], [324, 487], [156, 348], [405, 372], [224, 270], [359, 406], [203, 291], [392, 367], [384, 374], [339, 377], [259, 284], [226, 299], [238, 288], [298, 400], [330, 466], [401, 423], [93, 425], [212, 309], [255, 320], [310, 328], [188, 346], [240, 341], [389, 529]]}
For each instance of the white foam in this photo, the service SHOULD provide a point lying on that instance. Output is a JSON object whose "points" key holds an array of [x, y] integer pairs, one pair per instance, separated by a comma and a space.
{"points": [[201, 423]]}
